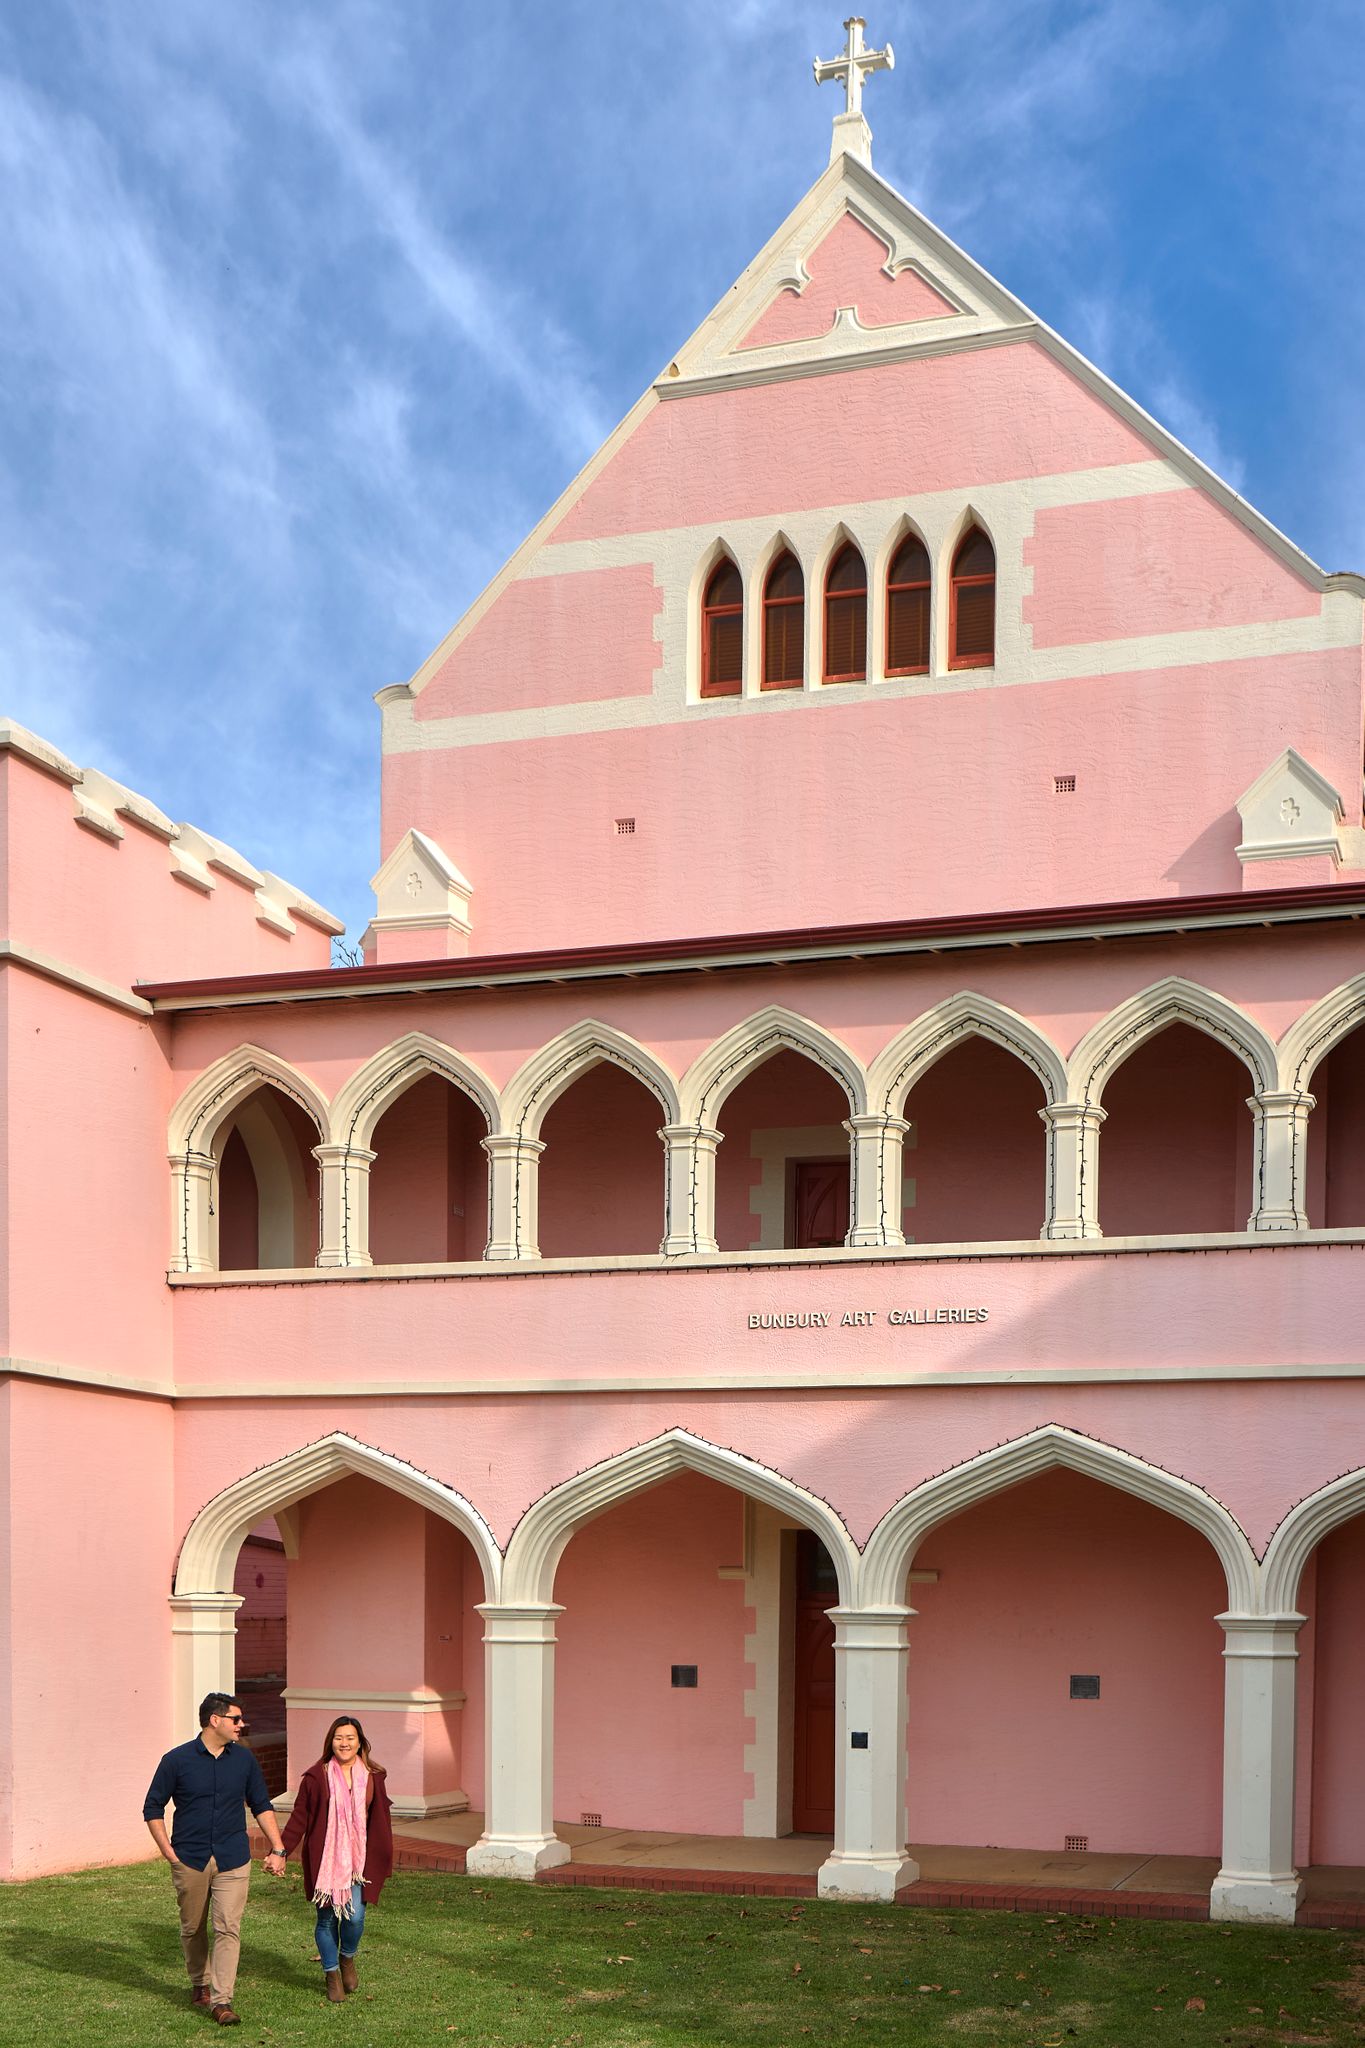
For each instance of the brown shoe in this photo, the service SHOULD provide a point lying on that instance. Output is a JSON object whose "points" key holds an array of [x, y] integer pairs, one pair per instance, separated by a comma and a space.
{"points": [[350, 1976], [332, 1978], [200, 1994], [225, 2016]]}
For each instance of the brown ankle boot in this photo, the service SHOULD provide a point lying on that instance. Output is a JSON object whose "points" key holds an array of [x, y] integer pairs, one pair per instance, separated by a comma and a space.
{"points": [[350, 1976], [332, 1978]]}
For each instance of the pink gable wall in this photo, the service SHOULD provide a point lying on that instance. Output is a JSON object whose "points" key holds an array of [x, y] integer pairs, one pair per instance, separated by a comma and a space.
{"points": [[847, 268], [945, 422], [554, 640], [1168, 563]]}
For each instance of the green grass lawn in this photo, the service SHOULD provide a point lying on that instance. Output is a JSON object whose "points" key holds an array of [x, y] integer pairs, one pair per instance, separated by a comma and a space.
{"points": [[448, 1960]]}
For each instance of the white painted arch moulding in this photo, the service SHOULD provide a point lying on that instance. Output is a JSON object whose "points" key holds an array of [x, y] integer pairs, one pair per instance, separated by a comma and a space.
{"points": [[1312, 1036], [910, 1055], [541, 1536], [891, 1548], [1302, 1529], [543, 1078], [375, 1087], [717, 1071], [1171, 1001], [208, 1555], [208, 1102]]}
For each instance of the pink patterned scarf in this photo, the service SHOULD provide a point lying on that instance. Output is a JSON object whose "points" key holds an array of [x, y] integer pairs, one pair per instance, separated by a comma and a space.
{"points": [[343, 1854]]}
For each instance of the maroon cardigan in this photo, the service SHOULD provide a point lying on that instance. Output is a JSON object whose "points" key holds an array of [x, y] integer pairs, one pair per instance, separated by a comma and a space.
{"points": [[307, 1826]]}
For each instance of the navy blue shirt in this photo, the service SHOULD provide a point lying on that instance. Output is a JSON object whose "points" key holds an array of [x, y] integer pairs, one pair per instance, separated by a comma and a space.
{"points": [[211, 1795]]}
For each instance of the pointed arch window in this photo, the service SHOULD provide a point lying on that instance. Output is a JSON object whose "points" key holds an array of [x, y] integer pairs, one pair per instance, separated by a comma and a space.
{"points": [[722, 632], [971, 627], [846, 617], [907, 609], [784, 625]]}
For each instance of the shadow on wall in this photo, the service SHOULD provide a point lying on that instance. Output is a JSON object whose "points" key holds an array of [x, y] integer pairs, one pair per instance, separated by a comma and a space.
{"points": [[1209, 863]]}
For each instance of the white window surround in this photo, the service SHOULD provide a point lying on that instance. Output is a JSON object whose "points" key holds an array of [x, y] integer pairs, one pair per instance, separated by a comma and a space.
{"points": [[876, 540]]}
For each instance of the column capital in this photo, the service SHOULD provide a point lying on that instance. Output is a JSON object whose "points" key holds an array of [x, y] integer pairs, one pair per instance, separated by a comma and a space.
{"points": [[875, 1120], [214, 1603], [1267, 1635], [520, 1624], [512, 1145], [1283, 1099], [343, 1155], [1067, 1115], [691, 1134]]}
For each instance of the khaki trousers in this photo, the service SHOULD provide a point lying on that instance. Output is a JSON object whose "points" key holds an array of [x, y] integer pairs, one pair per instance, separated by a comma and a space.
{"points": [[220, 1894]]}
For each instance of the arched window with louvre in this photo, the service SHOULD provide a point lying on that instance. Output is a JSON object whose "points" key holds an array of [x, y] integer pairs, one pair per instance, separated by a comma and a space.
{"points": [[971, 626], [722, 632], [846, 618], [907, 609], [784, 625]]}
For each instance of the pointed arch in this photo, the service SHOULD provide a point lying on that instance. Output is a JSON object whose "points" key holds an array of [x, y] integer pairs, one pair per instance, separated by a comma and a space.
{"points": [[891, 1548], [904, 594], [208, 1554], [896, 1069], [717, 1071], [1172, 1001], [1299, 1534], [541, 1536], [375, 1087], [970, 571], [206, 1105], [1318, 1031], [544, 1077]]}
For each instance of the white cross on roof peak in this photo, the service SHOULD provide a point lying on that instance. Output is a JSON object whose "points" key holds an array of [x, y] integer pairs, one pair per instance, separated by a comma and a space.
{"points": [[852, 136]]}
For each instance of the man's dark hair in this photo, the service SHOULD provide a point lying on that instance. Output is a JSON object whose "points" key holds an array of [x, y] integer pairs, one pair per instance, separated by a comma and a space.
{"points": [[215, 1703]]}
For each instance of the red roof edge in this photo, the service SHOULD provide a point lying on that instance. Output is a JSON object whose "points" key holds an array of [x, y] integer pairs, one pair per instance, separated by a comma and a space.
{"points": [[990, 927]]}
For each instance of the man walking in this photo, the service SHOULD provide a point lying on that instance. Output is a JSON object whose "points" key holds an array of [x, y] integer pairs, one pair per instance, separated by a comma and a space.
{"points": [[212, 1782]]}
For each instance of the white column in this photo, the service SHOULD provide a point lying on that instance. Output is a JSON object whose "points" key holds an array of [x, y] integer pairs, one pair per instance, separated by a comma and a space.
{"points": [[690, 1164], [344, 1180], [877, 1178], [869, 1859], [1073, 1169], [204, 1656], [1281, 1157], [518, 1836], [513, 1196], [1258, 1880], [193, 1249]]}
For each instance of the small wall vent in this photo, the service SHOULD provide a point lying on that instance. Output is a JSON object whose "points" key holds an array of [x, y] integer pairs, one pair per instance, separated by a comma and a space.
{"points": [[1063, 785], [590, 1820], [1076, 1845], [624, 827]]}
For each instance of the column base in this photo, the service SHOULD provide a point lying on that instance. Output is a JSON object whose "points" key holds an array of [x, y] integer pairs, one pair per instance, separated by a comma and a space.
{"points": [[688, 1247], [865, 1877], [334, 1259], [870, 1235], [499, 1856], [1269, 1899]]}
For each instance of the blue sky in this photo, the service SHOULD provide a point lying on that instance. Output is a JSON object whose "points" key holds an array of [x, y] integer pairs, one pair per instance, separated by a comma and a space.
{"points": [[309, 310]]}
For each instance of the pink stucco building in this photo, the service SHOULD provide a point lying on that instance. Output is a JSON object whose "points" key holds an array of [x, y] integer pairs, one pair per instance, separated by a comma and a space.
{"points": [[811, 1281]]}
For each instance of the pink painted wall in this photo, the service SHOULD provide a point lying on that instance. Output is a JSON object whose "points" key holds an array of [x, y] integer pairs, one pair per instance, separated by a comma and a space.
{"points": [[115, 909], [88, 1182], [1338, 1803], [602, 1170], [641, 1593], [260, 1579], [1176, 1150], [85, 1470], [1063, 1575], [588, 636], [701, 861], [1172, 562], [934, 424], [1336, 1138], [847, 268], [429, 1178], [787, 1092], [979, 1148], [7, 1703], [397, 1574]]}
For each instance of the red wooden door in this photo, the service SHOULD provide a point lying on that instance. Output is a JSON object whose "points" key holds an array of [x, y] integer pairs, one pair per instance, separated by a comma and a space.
{"points": [[821, 1202], [813, 1745]]}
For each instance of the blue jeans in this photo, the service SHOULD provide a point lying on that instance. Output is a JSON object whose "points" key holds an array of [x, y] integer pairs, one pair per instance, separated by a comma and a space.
{"points": [[336, 1937]]}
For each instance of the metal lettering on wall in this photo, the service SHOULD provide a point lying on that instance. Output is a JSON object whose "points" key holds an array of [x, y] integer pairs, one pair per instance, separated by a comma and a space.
{"points": [[861, 1318]]}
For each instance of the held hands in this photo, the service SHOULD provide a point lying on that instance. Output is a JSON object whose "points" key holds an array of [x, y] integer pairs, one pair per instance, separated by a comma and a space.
{"points": [[275, 1863]]}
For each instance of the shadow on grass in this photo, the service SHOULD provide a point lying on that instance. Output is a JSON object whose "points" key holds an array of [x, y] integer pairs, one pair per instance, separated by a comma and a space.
{"points": [[146, 1959]]}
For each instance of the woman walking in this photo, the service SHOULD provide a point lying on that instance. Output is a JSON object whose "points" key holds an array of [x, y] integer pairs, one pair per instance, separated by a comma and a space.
{"points": [[343, 1829]]}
